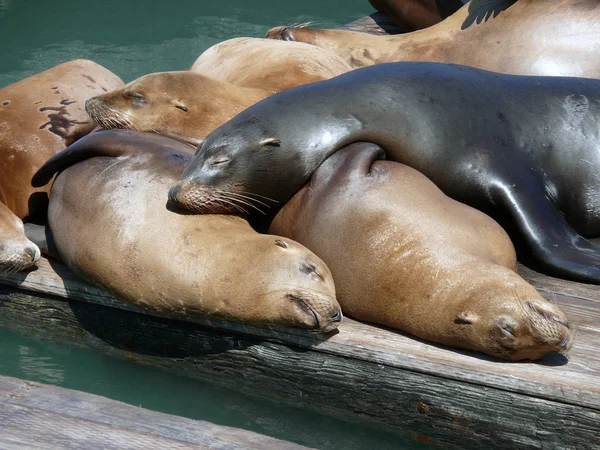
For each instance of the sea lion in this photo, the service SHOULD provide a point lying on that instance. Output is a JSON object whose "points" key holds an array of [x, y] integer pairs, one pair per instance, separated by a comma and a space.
{"points": [[406, 256], [110, 223], [181, 105], [529, 37], [524, 149], [40, 116], [269, 65]]}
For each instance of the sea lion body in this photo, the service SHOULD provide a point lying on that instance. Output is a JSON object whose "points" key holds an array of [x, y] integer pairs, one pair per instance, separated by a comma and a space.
{"points": [[269, 65], [406, 256], [110, 222], [526, 149], [40, 116], [529, 37]]}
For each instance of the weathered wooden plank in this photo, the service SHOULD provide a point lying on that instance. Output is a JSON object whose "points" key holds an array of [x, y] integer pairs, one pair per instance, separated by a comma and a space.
{"points": [[577, 382], [33, 415], [433, 408]]}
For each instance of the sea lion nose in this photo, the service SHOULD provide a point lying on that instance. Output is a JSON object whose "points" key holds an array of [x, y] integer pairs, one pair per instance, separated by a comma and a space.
{"points": [[173, 193], [337, 317], [33, 253], [566, 344]]}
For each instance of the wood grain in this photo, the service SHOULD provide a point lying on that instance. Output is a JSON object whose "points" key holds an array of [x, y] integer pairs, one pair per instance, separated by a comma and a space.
{"points": [[432, 408], [33, 415]]}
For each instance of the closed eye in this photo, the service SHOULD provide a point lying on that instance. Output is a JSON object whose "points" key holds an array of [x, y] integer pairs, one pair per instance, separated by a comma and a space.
{"points": [[220, 161]]}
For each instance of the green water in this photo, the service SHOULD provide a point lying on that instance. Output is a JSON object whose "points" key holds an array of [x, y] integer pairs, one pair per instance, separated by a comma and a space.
{"points": [[132, 38], [136, 37], [75, 368]]}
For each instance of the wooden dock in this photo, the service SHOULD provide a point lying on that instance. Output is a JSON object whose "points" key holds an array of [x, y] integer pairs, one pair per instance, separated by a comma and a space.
{"points": [[363, 373], [34, 415]]}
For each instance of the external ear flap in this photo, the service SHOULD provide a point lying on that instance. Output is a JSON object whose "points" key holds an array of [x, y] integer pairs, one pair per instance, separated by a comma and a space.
{"points": [[465, 318], [178, 104], [271, 142]]}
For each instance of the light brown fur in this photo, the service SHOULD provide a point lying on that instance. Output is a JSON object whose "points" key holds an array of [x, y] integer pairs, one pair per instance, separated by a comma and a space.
{"points": [[405, 255], [112, 225], [532, 37], [39, 117], [272, 66], [182, 105]]}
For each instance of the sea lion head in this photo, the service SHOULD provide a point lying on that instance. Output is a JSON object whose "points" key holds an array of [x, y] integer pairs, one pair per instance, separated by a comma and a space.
{"points": [[16, 251], [242, 166], [293, 33], [167, 103], [301, 292], [517, 330]]}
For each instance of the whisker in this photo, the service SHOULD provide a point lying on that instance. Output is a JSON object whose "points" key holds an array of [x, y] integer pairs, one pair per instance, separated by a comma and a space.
{"points": [[258, 195], [221, 195], [235, 194], [232, 204]]}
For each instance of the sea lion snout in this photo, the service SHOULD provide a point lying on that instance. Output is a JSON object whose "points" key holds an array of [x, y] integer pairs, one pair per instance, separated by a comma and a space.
{"points": [[533, 330], [18, 254], [205, 200], [315, 311], [101, 111]]}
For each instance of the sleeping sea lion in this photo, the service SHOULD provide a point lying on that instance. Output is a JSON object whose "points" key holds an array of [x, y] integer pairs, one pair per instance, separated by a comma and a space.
{"points": [[406, 256], [524, 149], [527, 37], [111, 225]]}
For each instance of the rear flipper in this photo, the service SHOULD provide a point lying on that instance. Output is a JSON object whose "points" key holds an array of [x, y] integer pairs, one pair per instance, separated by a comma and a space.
{"points": [[553, 243], [42, 237]]}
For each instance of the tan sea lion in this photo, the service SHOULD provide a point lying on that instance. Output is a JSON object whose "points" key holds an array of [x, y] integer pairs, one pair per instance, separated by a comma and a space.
{"points": [[181, 105], [269, 65], [529, 37], [39, 117], [406, 256], [110, 222]]}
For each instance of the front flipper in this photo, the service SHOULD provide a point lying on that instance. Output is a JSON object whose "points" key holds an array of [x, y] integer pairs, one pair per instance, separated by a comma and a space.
{"points": [[482, 10], [553, 243], [111, 143]]}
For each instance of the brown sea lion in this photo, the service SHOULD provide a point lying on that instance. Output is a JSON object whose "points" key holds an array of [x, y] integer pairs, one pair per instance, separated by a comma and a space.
{"points": [[405, 255], [181, 105], [268, 65], [529, 37], [39, 117], [110, 223]]}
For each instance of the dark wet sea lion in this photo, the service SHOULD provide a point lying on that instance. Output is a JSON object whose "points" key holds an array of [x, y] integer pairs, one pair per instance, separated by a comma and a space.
{"points": [[406, 256], [39, 116], [414, 15], [529, 37], [110, 223], [526, 149]]}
